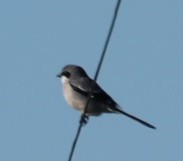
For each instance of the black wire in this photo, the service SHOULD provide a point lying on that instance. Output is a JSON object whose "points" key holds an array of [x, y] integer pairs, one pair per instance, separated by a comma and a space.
{"points": [[83, 116]]}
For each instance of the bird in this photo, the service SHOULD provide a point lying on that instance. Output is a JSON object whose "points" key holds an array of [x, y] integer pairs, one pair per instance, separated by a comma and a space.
{"points": [[77, 87]]}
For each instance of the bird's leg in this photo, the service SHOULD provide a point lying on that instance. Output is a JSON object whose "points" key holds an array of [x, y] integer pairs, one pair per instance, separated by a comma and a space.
{"points": [[84, 119]]}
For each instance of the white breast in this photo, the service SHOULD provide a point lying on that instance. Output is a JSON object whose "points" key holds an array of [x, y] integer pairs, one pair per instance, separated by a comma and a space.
{"points": [[71, 97], [67, 90]]}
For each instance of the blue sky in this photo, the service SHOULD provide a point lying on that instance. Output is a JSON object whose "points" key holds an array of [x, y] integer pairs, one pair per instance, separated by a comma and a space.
{"points": [[142, 71]]}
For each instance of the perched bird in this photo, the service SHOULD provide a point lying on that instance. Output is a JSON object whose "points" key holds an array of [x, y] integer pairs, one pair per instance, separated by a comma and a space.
{"points": [[76, 88]]}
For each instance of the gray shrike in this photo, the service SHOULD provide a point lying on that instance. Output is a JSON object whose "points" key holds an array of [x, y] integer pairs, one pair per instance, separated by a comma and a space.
{"points": [[76, 88]]}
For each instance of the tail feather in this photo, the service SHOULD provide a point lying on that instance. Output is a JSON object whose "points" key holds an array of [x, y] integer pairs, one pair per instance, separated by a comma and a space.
{"points": [[135, 118]]}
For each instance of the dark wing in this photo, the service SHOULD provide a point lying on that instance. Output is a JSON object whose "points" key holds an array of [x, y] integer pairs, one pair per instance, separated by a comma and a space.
{"points": [[83, 86]]}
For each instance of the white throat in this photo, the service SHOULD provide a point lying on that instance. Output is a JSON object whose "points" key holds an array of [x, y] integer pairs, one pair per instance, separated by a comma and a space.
{"points": [[64, 79]]}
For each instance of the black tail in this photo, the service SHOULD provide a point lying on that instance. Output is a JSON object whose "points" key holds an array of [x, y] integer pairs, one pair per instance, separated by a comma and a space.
{"points": [[136, 119]]}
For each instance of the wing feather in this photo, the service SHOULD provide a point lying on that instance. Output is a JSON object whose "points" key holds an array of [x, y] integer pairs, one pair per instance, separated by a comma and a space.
{"points": [[83, 86]]}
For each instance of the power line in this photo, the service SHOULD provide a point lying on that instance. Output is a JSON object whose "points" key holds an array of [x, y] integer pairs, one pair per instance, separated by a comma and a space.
{"points": [[83, 116]]}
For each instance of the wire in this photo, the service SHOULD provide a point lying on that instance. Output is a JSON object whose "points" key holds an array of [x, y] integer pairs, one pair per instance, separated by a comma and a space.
{"points": [[83, 116]]}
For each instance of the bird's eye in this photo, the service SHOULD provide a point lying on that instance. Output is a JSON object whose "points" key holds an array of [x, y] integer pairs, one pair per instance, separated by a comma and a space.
{"points": [[66, 74]]}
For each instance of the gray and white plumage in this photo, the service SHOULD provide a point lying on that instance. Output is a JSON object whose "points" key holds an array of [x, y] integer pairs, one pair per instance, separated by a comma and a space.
{"points": [[76, 88]]}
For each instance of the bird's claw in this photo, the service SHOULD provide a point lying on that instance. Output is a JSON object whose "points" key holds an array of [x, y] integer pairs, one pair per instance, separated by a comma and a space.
{"points": [[84, 119]]}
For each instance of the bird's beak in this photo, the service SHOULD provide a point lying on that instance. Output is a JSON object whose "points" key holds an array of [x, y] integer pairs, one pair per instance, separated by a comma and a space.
{"points": [[59, 75]]}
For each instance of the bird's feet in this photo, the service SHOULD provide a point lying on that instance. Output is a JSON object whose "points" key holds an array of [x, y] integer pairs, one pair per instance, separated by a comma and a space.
{"points": [[84, 119]]}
